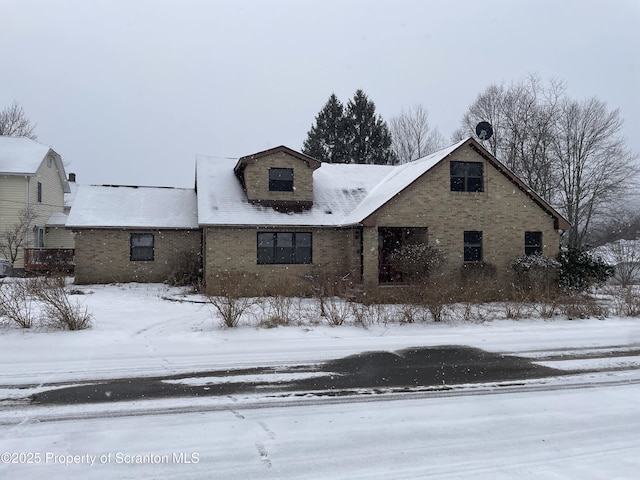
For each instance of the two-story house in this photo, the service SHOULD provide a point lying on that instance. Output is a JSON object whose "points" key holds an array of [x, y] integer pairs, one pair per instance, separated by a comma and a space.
{"points": [[280, 214], [33, 186]]}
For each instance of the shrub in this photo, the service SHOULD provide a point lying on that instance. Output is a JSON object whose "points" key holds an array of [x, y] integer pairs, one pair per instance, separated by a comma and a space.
{"points": [[16, 303], [57, 309], [417, 261], [626, 302], [187, 272], [477, 273], [277, 310], [579, 305], [233, 299], [580, 269]]}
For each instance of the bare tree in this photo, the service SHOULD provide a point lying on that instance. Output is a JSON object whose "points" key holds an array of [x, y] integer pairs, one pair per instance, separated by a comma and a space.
{"points": [[523, 115], [13, 238], [571, 153], [14, 122], [593, 162], [412, 135]]}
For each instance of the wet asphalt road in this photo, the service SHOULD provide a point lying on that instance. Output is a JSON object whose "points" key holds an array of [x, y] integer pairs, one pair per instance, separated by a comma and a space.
{"points": [[408, 368]]}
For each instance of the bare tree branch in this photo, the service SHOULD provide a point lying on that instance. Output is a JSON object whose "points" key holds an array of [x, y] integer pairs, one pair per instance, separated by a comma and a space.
{"points": [[413, 136], [14, 122]]}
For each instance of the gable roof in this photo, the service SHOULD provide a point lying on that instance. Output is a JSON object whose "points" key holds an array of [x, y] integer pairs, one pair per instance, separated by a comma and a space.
{"points": [[21, 155], [133, 207], [246, 160]]}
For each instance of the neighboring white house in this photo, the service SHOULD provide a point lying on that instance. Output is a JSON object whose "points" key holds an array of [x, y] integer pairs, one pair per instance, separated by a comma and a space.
{"points": [[33, 179]]}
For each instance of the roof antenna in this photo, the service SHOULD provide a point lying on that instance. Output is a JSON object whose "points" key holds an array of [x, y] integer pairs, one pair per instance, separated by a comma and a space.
{"points": [[484, 130]]}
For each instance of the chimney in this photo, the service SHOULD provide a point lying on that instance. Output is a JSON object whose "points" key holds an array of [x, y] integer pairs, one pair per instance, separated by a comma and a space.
{"points": [[72, 177]]}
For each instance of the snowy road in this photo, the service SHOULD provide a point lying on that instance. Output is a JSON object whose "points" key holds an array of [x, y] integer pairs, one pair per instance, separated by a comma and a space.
{"points": [[577, 433]]}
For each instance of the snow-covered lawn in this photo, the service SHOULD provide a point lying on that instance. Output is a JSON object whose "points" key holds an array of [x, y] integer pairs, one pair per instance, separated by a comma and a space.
{"points": [[575, 432]]}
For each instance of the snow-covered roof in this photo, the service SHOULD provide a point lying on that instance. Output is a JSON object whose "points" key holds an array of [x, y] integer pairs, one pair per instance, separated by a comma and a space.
{"points": [[57, 219], [398, 179], [342, 194], [70, 196], [620, 251], [133, 207], [21, 155]]}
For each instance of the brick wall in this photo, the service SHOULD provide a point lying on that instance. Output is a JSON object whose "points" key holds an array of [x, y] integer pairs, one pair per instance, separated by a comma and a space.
{"points": [[234, 251], [256, 177], [502, 212], [103, 256]]}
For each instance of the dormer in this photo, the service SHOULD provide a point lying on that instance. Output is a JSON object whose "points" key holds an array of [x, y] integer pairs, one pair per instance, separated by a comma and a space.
{"points": [[280, 178]]}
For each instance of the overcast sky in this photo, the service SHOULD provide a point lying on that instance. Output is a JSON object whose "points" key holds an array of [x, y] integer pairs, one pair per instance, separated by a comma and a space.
{"points": [[130, 91]]}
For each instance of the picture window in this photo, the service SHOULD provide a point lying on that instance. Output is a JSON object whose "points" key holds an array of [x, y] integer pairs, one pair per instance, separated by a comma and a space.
{"points": [[284, 248]]}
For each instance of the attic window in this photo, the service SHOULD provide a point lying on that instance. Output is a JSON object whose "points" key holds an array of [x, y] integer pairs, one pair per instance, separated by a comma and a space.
{"points": [[281, 179], [466, 177]]}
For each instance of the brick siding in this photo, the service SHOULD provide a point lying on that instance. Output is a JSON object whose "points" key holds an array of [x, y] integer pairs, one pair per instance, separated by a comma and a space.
{"points": [[103, 256]]}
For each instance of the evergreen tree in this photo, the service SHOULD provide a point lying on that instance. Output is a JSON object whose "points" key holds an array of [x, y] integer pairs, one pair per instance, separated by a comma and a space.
{"points": [[326, 139], [369, 139], [352, 135]]}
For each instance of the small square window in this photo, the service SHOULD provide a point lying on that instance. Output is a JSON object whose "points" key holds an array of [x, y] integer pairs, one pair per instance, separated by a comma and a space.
{"points": [[472, 246], [532, 243], [281, 179], [142, 247]]}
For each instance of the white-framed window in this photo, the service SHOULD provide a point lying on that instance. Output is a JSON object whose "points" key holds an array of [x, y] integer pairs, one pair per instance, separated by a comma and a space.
{"points": [[38, 237]]}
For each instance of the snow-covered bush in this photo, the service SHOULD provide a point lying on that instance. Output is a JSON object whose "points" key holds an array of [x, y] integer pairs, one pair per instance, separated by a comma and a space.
{"points": [[536, 274], [537, 261], [580, 269]]}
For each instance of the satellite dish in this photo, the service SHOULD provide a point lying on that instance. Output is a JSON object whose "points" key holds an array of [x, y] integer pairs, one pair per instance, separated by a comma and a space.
{"points": [[484, 130]]}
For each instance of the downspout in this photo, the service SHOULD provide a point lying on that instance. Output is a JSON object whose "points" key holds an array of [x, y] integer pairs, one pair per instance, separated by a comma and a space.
{"points": [[26, 211], [25, 240]]}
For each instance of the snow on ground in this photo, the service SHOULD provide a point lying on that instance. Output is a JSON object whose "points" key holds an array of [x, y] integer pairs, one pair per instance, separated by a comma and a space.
{"points": [[552, 432], [138, 332]]}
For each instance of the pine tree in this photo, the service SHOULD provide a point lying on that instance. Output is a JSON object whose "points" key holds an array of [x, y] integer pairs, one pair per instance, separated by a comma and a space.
{"points": [[352, 135], [369, 139], [326, 139]]}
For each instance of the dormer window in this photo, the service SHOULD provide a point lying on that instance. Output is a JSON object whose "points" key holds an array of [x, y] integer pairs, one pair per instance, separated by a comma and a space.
{"points": [[281, 179]]}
